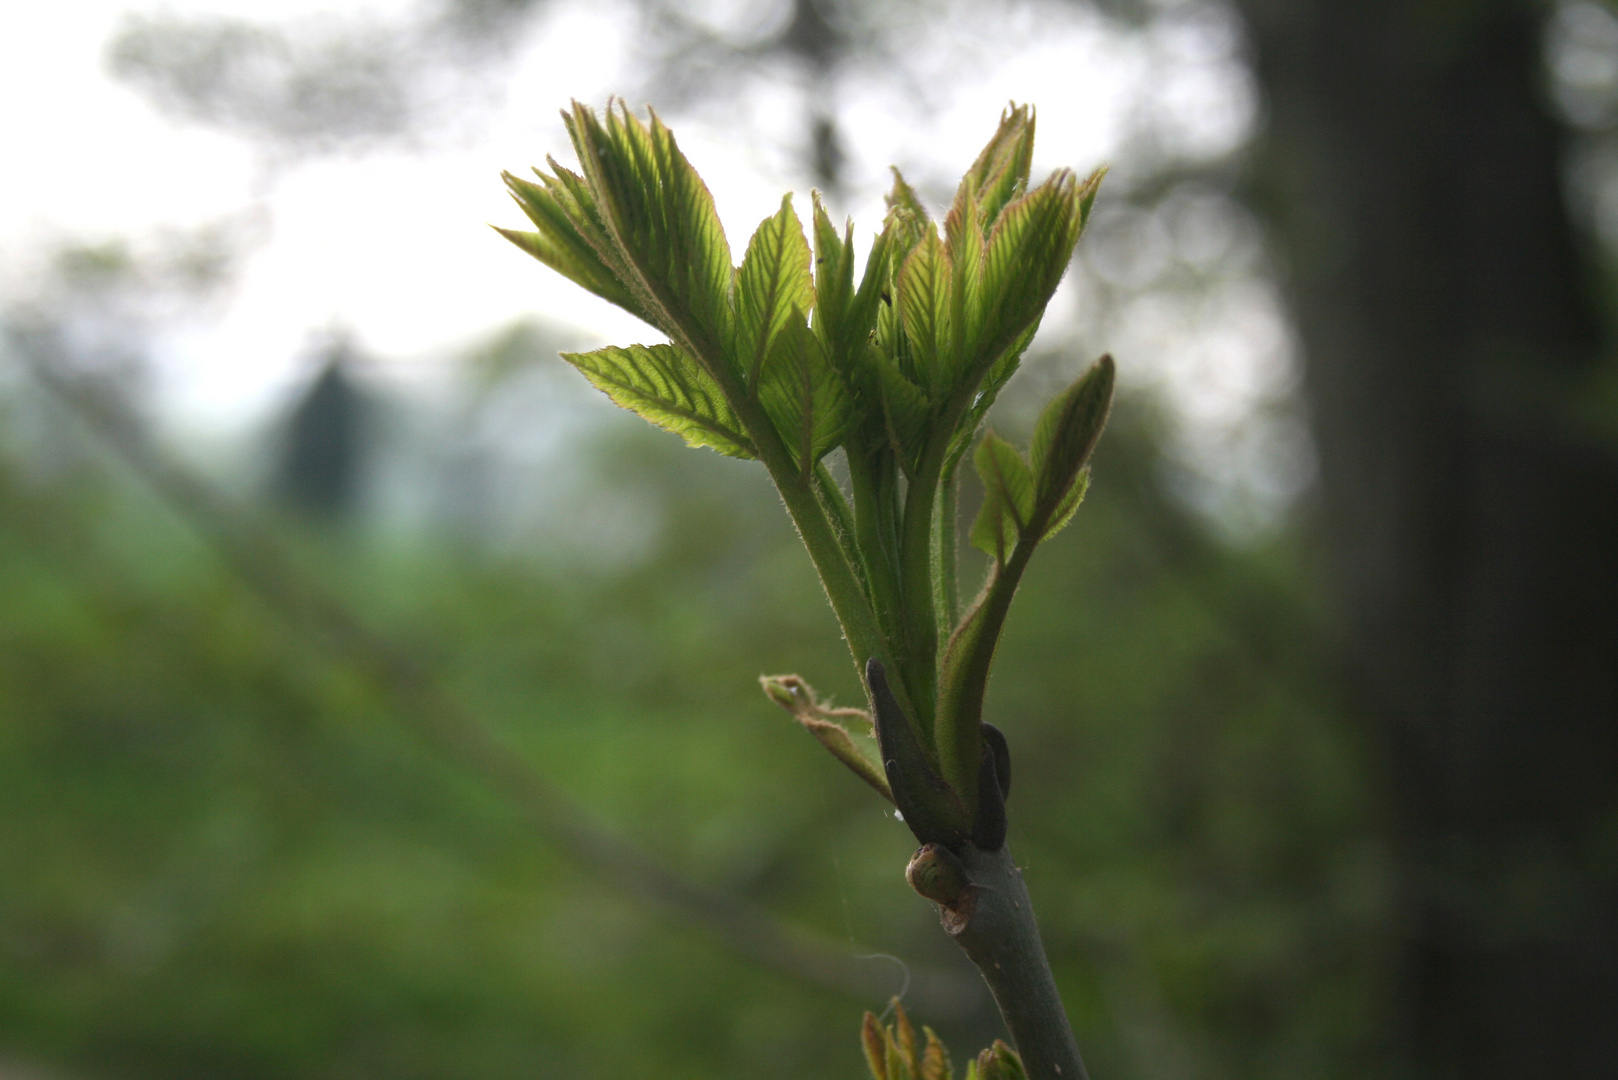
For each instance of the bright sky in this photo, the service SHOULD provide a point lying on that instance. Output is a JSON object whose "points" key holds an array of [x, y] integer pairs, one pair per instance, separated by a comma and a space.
{"points": [[392, 244]]}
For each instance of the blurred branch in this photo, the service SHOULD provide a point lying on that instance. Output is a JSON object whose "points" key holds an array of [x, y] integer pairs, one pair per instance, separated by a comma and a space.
{"points": [[252, 550]]}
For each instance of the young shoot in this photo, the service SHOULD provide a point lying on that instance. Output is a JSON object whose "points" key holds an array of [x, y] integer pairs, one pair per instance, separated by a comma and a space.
{"points": [[791, 355]]}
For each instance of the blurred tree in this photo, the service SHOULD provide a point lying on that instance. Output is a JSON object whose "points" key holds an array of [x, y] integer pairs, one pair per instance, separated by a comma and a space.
{"points": [[1414, 178], [322, 461]]}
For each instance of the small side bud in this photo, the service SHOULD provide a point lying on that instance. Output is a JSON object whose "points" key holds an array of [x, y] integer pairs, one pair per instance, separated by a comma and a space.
{"points": [[937, 874], [825, 724], [782, 689]]}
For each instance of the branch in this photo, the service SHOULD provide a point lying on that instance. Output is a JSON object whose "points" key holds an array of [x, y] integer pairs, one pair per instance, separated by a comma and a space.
{"points": [[993, 922]]}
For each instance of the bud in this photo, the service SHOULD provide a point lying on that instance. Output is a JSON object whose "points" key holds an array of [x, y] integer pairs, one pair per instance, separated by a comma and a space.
{"points": [[935, 1064], [930, 806], [937, 874], [875, 1047], [784, 690], [1000, 1062], [1067, 433], [823, 722]]}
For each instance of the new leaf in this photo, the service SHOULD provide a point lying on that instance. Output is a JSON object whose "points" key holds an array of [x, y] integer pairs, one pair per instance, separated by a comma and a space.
{"points": [[661, 217], [1068, 430], [803, 395], [772, 287], [666, 386], [1008, 497]]}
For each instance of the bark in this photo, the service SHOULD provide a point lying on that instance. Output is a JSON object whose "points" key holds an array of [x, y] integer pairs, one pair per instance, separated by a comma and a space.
{"points": [[1411, 172]]}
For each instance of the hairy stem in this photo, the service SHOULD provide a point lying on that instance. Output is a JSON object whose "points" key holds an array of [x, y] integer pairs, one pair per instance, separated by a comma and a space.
{"points": [[916, 581], [837, 511], [948, 600], [965, 676], [872, 530], [838, 574]]}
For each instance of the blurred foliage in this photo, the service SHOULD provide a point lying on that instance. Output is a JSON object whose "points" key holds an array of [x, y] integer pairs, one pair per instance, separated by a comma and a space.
{"points": [[219, 855]]}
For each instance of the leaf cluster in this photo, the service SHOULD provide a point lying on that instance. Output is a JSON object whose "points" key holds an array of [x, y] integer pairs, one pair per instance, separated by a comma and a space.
{"points": [[793, 354], [893, 1052]]}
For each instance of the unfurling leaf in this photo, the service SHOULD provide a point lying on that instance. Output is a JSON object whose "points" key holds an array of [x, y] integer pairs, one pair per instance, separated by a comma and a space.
{"points": [[902, 197], [666, 386], [661, 218], [567, 240], [905, 1036], [935, 1064], [988, 390], [773, 287], [823, 722], [1000, 172], [875, 1045], [892, 1053], [1068, 506], [1067, 432], [963, 240], [1027, 253], [1008, 497], [844, 317], [803, 395], [1000, 1062], [924, 286], [906, 409]]}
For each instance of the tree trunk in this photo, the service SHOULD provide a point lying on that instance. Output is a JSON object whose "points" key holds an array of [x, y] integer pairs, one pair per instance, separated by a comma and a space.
{"points": [[1411, 173]]}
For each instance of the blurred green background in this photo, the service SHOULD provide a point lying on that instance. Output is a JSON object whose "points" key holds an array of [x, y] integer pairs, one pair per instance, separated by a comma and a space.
{"points": [[1315, 762]]}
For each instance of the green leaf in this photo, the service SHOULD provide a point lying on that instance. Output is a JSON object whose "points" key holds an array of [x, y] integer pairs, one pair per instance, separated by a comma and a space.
{"points": [[862, 313], [772, 287], [906, 223], [906, 409], [834, 282], [667, 387], [1067, 432], [564, 239], [1028, 251], [844, 317], [1065, 509], [1000, 172], [903, 197], [661, 218], [988, 390], [1008, 497], [963, 232], [925, 307], [803, 395]]}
